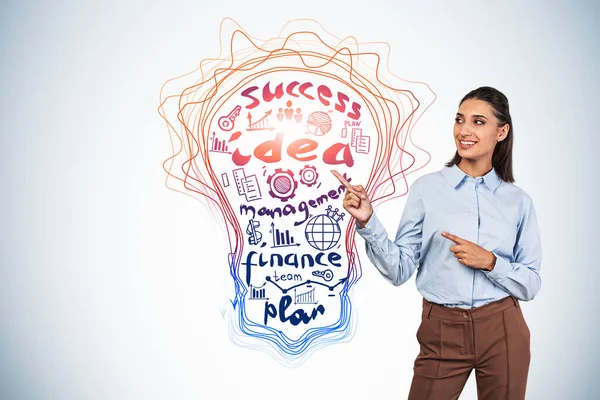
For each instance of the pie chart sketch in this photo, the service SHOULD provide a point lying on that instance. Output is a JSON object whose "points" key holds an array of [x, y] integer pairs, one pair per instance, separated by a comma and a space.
{"points": [[318, 123]]}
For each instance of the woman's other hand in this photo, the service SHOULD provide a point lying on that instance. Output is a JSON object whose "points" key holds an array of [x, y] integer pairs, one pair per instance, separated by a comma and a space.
{"points": [[356, 201], [471, 254]]}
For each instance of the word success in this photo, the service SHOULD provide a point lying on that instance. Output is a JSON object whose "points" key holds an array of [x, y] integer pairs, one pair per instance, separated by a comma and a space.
{"points": [[295, 89]]}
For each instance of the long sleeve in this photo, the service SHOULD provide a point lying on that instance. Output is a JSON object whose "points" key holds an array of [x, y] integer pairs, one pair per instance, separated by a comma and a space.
{"points": [[397, 260], [522, 277]]}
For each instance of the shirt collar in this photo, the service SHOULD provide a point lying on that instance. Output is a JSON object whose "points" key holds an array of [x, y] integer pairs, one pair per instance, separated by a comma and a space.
{"points": [[454, 176]]}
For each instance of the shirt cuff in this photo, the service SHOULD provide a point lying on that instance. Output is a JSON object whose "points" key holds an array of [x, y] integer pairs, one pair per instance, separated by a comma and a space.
{"points": [[371, 229], [500, 271]]}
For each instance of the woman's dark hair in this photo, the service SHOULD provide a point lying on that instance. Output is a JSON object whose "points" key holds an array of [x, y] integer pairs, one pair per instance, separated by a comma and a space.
{"points": [[502, 157]]}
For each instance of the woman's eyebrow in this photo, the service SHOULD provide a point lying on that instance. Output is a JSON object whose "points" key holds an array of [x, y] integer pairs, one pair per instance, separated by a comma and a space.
{"points": [[474, 115]]}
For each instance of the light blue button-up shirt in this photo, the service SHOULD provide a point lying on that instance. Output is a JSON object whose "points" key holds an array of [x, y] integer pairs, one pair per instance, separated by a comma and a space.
{"points": [[496, 215]]}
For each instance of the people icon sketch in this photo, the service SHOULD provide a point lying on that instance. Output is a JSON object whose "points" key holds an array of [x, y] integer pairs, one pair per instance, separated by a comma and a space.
{"points": [[289, 111], [298, 115]]}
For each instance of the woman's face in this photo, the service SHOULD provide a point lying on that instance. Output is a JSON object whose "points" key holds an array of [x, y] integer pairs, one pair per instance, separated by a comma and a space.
{"points": [[476, 130]]}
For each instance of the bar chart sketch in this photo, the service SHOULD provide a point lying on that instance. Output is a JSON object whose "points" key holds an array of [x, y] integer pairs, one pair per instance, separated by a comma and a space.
{"points": [[218, 146], [306, 297], [258, 293], [282, 239]]}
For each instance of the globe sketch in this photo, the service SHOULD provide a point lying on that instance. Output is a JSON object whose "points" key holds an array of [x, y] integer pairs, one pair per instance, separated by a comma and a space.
{"points": [[322, 232]]}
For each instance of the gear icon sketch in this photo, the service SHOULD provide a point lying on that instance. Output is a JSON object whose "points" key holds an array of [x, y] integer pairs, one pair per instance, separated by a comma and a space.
{"points": [[282, 185], [308, 175]]}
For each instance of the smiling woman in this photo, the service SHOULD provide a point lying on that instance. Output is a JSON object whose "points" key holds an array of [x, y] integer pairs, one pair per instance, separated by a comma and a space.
{"points": [[473, 237], [483, 131]]}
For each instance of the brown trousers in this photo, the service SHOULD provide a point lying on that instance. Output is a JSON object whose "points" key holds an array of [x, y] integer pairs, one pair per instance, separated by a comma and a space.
{"points": [[493, 339]]}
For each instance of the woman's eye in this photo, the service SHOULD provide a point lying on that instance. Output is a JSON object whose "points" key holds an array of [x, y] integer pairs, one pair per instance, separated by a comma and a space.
{"points": [[479, 122], [457, 120]]}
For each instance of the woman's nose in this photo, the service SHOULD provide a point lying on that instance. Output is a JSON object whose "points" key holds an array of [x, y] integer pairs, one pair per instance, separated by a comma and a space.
{"points": [[464, 130]]}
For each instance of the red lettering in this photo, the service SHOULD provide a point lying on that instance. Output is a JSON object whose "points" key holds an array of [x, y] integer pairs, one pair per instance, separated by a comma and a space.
{"points": [[246, 93], [270, 152], [330, 156], [303, 88], [272, 146], [268, 96], [240, 159], [302, 146], [323, 91], [290, 89], [355, 114], [342, 98]]}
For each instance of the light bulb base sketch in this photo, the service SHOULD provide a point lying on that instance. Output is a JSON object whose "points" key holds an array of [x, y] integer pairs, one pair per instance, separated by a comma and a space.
{"points": [[256, 131]]}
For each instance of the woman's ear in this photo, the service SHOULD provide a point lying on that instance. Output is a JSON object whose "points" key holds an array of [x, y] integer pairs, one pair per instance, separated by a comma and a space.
{"points": [[503, 132]]}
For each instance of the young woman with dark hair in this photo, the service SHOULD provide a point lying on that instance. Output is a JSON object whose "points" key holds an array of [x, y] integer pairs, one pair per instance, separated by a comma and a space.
{"points": [[472, 235]]}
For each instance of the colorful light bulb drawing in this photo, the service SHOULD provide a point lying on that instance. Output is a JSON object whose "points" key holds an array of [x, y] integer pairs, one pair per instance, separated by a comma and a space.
{"points": [[256, 131]]}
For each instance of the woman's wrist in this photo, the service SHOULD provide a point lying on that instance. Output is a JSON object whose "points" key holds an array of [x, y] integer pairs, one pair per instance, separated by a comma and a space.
{"points": [[362, 223], [492, 263]]}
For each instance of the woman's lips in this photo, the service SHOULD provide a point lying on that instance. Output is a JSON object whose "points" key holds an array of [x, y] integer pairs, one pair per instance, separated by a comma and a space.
{"points": [[467, 144]]}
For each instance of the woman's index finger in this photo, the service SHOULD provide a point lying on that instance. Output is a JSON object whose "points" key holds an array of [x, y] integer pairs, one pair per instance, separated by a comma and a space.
{"points": [[343, 180], [454, 238]]}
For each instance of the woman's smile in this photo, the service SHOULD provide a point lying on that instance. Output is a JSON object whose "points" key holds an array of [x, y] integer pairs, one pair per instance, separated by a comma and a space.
{"points": [[466, 144]]}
